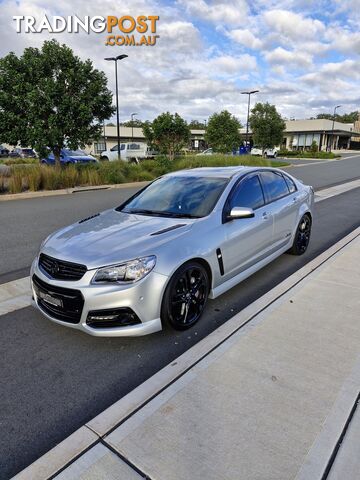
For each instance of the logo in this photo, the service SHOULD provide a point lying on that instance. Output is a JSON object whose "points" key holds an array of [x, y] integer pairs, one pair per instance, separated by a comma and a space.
{"points": [[54, 269], [121, 31]]}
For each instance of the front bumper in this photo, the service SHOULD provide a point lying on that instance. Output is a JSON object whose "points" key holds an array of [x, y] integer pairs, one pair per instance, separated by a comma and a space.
{"points": [[143, 298]]}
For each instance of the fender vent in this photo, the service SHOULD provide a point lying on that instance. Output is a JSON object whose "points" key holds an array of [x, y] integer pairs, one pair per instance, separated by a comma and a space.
{"points": [[89, 218], [168, 229]]}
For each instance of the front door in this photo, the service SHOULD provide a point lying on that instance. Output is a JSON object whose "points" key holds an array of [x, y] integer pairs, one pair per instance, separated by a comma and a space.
{"points": [[247, 239]]}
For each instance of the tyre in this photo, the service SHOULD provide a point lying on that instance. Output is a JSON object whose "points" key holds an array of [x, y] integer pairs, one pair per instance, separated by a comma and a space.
{"points": [[104, 159], [265, 155], [275, 154], [185, 296], [302, 236]]}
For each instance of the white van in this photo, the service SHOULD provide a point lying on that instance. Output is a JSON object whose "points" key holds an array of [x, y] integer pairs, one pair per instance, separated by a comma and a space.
{"points": [[129, 152]]}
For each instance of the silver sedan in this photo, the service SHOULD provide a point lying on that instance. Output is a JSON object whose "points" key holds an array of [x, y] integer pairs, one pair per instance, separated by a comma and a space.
{"points": [[157, 258]]}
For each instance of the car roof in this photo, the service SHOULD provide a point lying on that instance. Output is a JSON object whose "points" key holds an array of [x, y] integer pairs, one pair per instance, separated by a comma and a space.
{"points": [[225, 172]]}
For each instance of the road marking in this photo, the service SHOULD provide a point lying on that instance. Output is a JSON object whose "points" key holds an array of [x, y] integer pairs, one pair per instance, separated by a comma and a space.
{"points": [[17, 294], [321, 195]]}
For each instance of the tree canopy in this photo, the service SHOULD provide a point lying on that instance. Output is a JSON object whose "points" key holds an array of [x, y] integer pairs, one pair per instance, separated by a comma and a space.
{"points": [[344, 118], [222, 132], [267, 125], [50, 98], [168, 133]]}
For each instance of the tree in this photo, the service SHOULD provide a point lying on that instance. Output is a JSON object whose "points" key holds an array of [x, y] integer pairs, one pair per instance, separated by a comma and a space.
{"points": [[267, 126], [49, 98], [168, 133], [222, 132], [196, 125], [345, 118], [133, 123]]}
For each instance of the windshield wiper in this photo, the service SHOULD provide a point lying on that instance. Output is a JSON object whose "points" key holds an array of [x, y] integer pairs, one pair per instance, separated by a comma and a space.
{"points": [[160, 213]]}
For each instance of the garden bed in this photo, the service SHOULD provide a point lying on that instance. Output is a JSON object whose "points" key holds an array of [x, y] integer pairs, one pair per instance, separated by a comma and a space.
{"points": [[21, 178]]}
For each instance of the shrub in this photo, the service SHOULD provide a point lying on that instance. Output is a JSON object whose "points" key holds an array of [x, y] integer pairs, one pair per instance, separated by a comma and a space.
{"points": [[51, 177], [33, 178], [16, 181]]}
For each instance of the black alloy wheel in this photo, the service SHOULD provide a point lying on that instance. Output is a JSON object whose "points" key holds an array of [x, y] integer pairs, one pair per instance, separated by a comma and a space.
{"points": [[185, 296], [302, 236]]}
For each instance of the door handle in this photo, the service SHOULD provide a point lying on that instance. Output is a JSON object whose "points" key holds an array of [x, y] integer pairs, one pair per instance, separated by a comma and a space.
{"points": [[295, 199], [265, 216]]}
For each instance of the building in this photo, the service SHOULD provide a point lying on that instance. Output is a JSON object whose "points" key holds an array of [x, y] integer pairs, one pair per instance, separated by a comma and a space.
{"points": [[298, 135], [328, 135], [128, 134]]}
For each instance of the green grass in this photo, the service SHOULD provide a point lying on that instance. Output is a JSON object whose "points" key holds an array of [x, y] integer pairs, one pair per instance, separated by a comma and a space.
{"points": [[298, 154], [18, 161], [42, 177]]}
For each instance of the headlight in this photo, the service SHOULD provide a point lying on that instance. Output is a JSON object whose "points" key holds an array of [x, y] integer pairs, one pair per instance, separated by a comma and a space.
{"points": [[131, 271]]}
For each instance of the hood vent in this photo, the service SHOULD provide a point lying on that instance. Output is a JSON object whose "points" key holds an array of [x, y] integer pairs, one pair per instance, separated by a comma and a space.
{"points": [[89, 218], [173, 227]]}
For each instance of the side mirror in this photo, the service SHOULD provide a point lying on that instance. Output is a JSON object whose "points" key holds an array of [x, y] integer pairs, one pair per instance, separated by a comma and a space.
{"points": [[241, 212]]}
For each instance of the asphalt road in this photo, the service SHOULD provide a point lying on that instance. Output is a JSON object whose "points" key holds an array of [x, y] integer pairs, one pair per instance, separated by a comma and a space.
{"points": [[25, 223], [54, 379]]}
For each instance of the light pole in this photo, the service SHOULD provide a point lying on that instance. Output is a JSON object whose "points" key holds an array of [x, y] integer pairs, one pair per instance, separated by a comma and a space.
{"points": [[332, 128], [132, 126], [248, 113], [115, 59]]}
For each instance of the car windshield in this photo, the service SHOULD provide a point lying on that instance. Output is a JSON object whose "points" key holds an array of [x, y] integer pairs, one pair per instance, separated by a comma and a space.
{"points": [[27, 150], [74, 153], [178, 196]]}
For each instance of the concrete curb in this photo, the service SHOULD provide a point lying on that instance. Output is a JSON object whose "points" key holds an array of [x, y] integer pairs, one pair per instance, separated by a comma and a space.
{"points": [[103, 424], [66, 191]]}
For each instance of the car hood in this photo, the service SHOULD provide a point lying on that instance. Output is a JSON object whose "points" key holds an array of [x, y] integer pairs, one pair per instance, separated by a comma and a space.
{"points": [[113, 237]]}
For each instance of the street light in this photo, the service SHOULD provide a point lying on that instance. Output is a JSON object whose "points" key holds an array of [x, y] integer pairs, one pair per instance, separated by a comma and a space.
{"points": [[115, 59], [132, 126], [332, 128], [248, 113]]}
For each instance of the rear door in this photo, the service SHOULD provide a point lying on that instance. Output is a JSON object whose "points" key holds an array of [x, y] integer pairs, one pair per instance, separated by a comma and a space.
{"points": [[247, 239], [283, 203]]}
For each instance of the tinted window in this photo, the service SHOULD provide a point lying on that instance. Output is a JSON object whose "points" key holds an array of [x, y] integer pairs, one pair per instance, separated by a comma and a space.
{"points": [[274, 185], [182, 195], [248, 194], [291, 185]]}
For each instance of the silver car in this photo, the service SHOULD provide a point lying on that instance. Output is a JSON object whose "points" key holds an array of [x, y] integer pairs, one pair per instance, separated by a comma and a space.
{"points": [[186, 237]]}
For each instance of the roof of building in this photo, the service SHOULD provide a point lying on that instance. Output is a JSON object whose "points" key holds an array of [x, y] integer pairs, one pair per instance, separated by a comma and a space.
{"points": [[317, 125]]}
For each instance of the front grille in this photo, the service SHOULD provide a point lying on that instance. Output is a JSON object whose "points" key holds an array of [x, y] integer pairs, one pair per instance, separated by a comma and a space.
{"points": [[61, 270], [70, 302]]}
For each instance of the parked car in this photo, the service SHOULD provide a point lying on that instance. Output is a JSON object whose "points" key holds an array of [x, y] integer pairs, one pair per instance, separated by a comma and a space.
{"points": [[188, 236], [208, 151], [132, 152], [4, 152], [19, 152], [68, 157], [267, 152]]}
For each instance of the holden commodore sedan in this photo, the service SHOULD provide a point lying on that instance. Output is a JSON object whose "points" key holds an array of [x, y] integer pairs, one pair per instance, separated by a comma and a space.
{"points": [[157, 258]]}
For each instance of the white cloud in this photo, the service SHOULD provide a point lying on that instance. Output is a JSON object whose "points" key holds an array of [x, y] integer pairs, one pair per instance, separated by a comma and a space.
{"points": [[231, 64], [293, 58], [293, 25], [217, 11], [245, 37]]}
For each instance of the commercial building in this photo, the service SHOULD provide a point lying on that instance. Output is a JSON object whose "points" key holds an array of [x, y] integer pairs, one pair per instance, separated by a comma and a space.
{"points": [[298, 135]]}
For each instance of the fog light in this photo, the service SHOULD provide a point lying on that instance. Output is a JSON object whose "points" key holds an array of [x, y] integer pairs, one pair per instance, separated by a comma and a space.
{"points": [[119, 317]]}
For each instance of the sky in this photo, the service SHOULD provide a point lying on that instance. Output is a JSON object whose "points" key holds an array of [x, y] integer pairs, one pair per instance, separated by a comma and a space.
{"points": [[302, 55]]}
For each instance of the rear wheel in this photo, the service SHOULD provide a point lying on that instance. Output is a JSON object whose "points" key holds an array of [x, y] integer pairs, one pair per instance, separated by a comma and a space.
{"points": [[302, 236], [185, 296]]}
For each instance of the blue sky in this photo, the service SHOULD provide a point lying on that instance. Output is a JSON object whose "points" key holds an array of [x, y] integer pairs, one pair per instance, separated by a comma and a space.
{"points": [[302, 55]]}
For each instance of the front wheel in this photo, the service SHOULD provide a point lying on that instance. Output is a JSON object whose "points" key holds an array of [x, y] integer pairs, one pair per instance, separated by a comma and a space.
{"points": [[302, 236], [185, 296]]}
